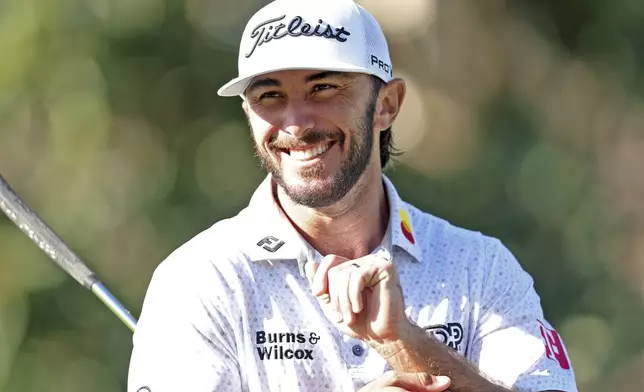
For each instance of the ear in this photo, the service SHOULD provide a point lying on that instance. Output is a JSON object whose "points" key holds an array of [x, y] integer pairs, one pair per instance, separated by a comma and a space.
{"points": [[245, 107], [390, 100]]}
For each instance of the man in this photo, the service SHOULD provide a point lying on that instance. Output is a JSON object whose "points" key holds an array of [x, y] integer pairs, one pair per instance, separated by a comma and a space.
{"points": [[328, 281]]}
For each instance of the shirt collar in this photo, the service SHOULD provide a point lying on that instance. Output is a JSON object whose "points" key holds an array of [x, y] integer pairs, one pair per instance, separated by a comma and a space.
{"points": [[271, 234], [401, 226], [272, 237]]}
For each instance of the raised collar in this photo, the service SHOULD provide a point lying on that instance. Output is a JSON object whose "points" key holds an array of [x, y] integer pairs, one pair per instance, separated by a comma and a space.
{"points": [[272, 237], [400, 222]]}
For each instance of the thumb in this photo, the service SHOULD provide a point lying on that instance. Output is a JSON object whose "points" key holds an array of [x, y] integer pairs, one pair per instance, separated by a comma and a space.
{"points": [[421, 382]]}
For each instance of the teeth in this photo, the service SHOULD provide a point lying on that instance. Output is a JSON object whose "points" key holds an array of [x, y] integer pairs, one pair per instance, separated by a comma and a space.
{"points": [[303, 155]]}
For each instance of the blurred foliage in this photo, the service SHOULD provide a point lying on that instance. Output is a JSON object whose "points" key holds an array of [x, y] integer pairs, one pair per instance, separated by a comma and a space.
{"points": [[523, 120]]}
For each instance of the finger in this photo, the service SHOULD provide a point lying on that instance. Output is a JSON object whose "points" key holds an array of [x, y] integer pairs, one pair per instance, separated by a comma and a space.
{"points": [[377, 269], [410, 382], [420, 382], [310, 268], [335, 287], [356, 285], [379, 383], [320, 280], [344, 277]]}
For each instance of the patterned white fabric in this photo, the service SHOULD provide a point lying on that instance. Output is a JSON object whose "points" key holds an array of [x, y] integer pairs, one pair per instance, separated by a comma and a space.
{"points": [[231, 309]]}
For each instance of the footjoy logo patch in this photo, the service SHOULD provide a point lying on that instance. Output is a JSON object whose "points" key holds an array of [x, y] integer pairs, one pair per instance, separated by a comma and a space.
{"points": [[285, 345]]}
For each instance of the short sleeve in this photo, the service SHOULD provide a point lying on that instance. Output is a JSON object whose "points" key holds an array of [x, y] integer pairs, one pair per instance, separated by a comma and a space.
{"points": [[513, 343], [179, 341]]}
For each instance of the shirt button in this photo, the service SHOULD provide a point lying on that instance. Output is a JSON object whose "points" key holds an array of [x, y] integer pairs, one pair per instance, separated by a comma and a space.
{"points": [[357, 350]]}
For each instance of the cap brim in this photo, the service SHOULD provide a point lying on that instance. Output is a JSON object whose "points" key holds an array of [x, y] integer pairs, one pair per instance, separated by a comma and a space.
{"points": [[238, 85]]}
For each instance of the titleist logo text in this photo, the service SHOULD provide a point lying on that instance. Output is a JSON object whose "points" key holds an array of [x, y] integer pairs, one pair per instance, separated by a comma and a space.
{"points": [[274, 29]]}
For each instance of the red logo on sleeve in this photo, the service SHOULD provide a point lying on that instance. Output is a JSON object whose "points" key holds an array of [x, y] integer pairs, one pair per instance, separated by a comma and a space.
{"points": [[554, 346]]}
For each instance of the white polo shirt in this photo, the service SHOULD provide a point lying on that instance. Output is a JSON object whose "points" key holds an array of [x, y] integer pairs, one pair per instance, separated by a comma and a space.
{"points": [[231, 310]]}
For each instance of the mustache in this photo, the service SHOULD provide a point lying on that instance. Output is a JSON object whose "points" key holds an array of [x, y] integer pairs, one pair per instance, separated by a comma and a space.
{"points": [[311, 137]]}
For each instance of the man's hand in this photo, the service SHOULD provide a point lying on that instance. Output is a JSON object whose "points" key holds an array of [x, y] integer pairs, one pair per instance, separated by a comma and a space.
{"points": [[361, 297], [364, 300], [407, 382]]}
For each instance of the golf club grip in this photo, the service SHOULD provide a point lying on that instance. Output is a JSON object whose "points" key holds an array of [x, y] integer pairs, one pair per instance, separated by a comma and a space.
{"points": [[43, 236]]}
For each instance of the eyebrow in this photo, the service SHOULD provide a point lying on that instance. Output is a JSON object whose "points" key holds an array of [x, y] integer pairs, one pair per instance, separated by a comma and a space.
{"points": [[270, 82], [264, 82], [327, 74]]}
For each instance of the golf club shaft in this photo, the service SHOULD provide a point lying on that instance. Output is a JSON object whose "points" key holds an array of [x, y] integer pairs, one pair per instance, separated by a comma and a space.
{"points": [[54, 247], [114, 305]]}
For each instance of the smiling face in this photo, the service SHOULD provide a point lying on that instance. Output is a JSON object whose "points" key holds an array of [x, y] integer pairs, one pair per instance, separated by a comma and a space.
{"points": [[314, 131]]}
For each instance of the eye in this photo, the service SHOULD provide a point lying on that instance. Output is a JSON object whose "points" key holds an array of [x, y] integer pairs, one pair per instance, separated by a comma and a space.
{"points": [[322, 87], [269, 94]]}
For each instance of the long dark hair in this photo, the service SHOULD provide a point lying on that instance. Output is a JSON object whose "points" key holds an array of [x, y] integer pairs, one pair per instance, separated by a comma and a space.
{"points": [[387, 149]]}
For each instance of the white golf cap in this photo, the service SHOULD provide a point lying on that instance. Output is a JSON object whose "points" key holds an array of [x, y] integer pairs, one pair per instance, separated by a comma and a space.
{"points": [[327, 35]]}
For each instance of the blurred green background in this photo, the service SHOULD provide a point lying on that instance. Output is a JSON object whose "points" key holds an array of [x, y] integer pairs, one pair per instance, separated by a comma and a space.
{"points": [[524, 120]]}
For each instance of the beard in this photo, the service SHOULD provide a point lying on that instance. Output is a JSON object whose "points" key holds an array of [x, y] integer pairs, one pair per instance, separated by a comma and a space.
{"points": [[340, 183]]}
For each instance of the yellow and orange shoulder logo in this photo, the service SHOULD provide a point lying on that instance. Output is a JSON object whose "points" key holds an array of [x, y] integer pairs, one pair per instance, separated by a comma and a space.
{"points": [[405, 226]]}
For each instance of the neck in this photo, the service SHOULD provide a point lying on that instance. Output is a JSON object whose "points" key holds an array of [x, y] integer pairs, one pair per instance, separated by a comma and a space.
{"points": [[352, 227]]}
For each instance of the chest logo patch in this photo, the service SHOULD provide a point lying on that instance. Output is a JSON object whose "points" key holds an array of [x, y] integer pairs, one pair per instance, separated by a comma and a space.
{"points": [[450, 334], [270, 244], [285, 345]]}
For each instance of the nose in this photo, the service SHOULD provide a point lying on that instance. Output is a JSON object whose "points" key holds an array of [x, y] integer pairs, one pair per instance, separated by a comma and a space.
{"points": [[298, 118]]}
